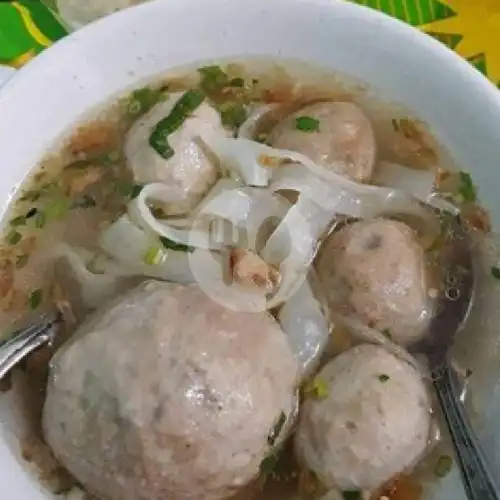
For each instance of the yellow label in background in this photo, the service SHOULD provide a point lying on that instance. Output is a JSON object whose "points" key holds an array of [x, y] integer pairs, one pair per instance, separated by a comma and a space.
{"points": [[26, 28], [470, 27]]}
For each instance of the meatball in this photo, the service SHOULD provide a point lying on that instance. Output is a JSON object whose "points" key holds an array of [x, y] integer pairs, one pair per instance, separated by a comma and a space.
{"points": [[376, 270], [343, 142], [165, 394], [189, 172], [373, 423]]}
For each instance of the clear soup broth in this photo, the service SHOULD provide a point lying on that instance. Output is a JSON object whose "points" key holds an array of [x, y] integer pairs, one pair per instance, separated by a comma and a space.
{"points": [[82, 233]]}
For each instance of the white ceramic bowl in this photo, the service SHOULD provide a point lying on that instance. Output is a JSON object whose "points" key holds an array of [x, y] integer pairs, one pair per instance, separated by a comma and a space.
{"points": [[53, 91]]}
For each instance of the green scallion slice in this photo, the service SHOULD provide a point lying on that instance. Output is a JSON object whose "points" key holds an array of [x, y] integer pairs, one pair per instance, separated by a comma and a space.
{"points": [[443, 466], [14, 237], [154, 256], [233, 114], [172, 245], [467, 190], [182, 109], [142, 100], [57, 208], [317, 389], [213, 78], [352, 495], [35, 298], [495, 272], [307, 124], [40, 220], [18, 221], [269, 463]]}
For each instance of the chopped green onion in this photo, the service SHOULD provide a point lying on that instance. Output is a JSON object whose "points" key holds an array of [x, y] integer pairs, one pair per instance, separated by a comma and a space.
{"points": [[307, 124], [35, 298], [237, 82], [31, 213], [495, 272], [21, 260], [276, 430], [269, 463], [317, 389], [18, 221], [58, 208], [129, 190], [233, 114], [383, 377], [172, 245], [142, 100], [14, 237], [467, 190], [181, 110], [213, 78], [352, 495], [136, 189], [153, 256], [443, 466], [40, 220]]}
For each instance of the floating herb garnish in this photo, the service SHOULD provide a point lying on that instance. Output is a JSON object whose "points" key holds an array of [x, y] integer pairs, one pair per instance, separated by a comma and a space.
{"points": [[182, 109], [467, 190], [495, 272], [35, 298], [13, 238], [307, 124], [172, 245], [142, 100], [352, 495], [317, 389], [18, 221], [443, 466]]}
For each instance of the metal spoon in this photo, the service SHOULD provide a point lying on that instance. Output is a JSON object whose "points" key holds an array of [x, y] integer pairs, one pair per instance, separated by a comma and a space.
{"points": [[23, 342], [453, 307]]}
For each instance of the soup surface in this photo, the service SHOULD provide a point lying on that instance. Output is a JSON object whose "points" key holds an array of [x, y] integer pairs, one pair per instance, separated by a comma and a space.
{"points": [[241, 254]]}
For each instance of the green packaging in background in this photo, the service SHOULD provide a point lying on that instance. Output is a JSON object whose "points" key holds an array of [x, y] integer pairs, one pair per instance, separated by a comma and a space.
{"points": [[470, 27], [26, 28]]}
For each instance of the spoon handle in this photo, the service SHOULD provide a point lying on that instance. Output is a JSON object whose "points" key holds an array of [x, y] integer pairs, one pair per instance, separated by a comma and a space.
{"points": [[24, 342], [477, 480]]}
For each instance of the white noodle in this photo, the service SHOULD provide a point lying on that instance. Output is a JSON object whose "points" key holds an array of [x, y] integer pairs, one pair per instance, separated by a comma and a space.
{"points": [[306, 327], [248, 129]]}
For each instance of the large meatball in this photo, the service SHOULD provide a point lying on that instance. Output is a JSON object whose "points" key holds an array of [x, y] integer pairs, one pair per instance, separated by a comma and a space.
{"points": [[373, 423], [376, 270], [190, 171], [164, 394], [343, 141]]}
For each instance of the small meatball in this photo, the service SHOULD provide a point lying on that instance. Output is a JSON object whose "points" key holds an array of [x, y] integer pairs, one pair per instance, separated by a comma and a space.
{"points": [[376, 270], [190, 172], [373, 423], [344, 141], [164, 394]]}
